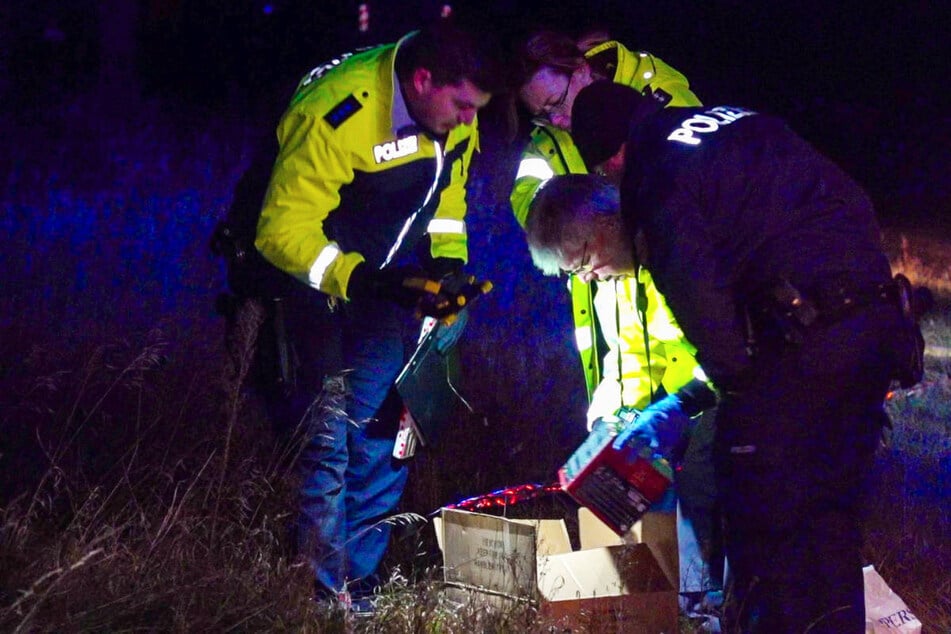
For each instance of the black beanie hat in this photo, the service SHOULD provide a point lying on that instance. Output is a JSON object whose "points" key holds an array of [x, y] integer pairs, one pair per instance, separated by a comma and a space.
{"points": [[601, 118]]}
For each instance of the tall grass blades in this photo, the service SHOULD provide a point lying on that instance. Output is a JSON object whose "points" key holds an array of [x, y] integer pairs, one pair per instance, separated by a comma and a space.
{"points": [[144, 488]]}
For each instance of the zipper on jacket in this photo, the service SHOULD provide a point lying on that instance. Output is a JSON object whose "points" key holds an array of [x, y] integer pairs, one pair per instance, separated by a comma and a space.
{"points": [[440, 159]]}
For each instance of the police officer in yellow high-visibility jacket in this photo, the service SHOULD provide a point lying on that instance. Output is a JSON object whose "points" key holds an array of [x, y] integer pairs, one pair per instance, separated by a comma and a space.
{"points": [[557, 71], [374, 155], [622, 367]]}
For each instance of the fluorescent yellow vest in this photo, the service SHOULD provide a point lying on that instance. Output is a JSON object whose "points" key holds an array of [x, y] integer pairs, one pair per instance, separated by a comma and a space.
{"points": [[551, 152], [346, 186]]}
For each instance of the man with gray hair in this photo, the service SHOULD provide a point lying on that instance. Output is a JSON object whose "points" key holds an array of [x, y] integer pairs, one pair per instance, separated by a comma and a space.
{"points": [[769, 257]]}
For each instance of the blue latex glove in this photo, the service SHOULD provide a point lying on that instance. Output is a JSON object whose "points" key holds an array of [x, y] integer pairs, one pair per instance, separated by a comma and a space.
{"points": [[447, 336], [660, 426]]}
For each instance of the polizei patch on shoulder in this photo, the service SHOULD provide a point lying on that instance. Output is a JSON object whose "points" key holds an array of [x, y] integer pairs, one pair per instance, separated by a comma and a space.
{"points": [[342, 111]]}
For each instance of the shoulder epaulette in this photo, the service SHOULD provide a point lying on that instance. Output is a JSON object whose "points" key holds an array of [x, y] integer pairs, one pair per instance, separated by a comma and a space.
{"points": [[659, 95], [342, 111]]}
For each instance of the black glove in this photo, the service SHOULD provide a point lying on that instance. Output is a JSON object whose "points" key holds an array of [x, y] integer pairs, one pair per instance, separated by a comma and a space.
{"points": [[453, 296], [411, 288], [404, 286], [443, 268]]}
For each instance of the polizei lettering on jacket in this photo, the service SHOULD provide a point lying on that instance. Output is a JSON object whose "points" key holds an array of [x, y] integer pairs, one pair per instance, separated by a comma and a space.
{"points": [[396, 149], [711, 120]]}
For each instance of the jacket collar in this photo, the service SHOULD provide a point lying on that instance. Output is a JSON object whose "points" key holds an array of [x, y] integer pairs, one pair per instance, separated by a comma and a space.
{"points": [[402, 123]]}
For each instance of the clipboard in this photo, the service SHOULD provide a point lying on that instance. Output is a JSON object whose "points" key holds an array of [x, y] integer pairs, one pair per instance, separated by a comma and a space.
{"points": [[425, 386]]}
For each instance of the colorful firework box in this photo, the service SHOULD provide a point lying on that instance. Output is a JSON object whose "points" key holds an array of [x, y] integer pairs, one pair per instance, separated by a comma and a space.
{"points": [[618, 486]]}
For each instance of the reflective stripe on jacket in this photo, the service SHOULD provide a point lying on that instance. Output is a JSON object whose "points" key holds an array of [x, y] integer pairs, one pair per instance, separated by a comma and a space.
{"points": [[347, 188], [551, 151], [670, 362]]}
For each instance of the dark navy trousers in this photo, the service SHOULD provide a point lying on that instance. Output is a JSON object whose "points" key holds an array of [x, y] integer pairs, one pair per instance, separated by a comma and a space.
{"points": [[790, 456]]}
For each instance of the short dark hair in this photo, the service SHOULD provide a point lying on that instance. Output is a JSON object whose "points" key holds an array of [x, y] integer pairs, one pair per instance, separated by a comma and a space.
{"points": [[562, 214], [453, 53]]}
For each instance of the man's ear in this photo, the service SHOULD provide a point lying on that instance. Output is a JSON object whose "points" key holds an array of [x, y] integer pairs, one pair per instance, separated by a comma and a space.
{"points": [[613, 167], [584, 75], [422, 80]]}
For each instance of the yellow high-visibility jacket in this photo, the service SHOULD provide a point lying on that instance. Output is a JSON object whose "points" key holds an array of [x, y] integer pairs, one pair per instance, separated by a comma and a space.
{"points": [[609, 308], [355, 180]]}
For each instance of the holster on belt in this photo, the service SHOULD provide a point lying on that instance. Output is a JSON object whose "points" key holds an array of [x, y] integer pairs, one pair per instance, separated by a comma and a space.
{"points": [[786, 313], [782, 312]]}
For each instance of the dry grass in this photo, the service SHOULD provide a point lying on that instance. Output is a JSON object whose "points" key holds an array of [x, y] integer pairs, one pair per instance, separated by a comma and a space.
{"points": [[179, 531], [185, 529], [924, 259], [148, 490]]}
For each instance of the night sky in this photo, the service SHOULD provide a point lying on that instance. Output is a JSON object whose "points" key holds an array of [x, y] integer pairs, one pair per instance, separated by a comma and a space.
{"points": [[858, 80]]}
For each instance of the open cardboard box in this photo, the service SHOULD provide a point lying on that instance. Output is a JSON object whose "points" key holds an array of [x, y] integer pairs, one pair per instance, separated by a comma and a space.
{"points": [[658, 530], [610, 587]]}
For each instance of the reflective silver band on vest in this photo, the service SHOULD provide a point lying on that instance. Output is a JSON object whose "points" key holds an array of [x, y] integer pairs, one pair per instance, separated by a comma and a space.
{"points": [[700, 375], [536, 168], [319, 268], [583, 338], [446, 225]]}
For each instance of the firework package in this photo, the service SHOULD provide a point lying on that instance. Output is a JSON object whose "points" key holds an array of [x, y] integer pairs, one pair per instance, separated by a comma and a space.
{"points": [[617, 485]]}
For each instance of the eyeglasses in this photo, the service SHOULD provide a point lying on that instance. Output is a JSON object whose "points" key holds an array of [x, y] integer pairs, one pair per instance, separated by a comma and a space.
{"points": [[551, 108], [585, 262]]}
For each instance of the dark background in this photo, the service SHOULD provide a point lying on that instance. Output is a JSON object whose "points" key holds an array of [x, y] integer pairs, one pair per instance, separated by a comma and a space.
{"points": [[125, 127], [868, 84]]}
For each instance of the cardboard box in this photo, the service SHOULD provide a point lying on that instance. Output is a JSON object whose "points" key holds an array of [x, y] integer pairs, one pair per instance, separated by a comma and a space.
{"points": [[656, 529], [612, 588]]}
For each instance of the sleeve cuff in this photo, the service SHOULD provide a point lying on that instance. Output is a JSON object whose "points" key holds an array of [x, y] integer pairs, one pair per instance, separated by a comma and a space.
{"points": [[696, 397]]}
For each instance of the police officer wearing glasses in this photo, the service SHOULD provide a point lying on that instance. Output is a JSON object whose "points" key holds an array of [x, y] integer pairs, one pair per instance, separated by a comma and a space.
{"points": [[768, 255]]}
